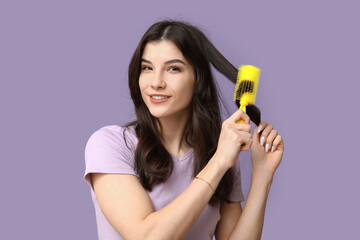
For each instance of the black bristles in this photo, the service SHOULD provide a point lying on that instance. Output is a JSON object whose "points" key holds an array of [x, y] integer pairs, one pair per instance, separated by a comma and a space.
{"points": [[245, 86]]}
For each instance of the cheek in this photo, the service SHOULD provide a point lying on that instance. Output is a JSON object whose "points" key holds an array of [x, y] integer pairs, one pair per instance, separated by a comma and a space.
{"points": [[142, 88], [188, 91], [142, 85], [190, 87]]}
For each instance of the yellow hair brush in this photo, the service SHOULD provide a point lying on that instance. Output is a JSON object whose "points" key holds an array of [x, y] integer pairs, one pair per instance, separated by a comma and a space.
{"points": [[246, 86]]}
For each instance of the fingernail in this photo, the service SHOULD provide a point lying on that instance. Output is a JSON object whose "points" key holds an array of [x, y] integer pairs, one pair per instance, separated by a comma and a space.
{"points": [[262, 141], [267, 147], [272, 148], [260, 128]]}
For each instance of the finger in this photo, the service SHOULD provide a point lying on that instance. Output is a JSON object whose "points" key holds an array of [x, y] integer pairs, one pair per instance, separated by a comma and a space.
{"points": [[241, 138], [228, 126], [257, 132], [246, 141], [277, 143], [270, 139], [261, 126], [242, 127], [239, 114], [265, 133]]}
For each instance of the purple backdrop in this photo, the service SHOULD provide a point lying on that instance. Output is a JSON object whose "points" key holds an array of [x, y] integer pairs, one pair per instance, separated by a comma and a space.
{"points": [[63, 71]]}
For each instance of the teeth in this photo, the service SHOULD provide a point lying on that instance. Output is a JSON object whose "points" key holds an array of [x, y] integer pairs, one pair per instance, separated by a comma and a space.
{"points": [[158, 97]]}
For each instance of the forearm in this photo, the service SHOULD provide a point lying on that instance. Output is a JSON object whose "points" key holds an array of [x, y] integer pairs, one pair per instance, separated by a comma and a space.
{"points": [[176, 219], [251, 221]]}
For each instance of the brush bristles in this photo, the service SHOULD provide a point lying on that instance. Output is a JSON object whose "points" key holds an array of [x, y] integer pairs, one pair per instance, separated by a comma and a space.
{"points": [[247, 82]]}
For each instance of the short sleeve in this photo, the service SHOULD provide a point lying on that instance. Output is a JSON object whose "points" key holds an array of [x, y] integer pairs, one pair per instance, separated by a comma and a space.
{"points": [[237, 194], [107, 152]]}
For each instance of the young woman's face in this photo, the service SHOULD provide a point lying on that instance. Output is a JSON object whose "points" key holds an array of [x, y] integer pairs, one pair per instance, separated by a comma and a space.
{"points": [[166, 80]]}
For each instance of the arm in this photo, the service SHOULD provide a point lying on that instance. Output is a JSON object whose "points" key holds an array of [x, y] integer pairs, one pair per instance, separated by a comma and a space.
{"points": [[251, 221], [247, 223], [230, 214], [128, 208], [264, 164]]}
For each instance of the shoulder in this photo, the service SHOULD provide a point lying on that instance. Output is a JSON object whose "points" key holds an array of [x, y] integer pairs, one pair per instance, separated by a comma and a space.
{"points": [[112, 138], [110, 149], [113, 134], [115, 130]]}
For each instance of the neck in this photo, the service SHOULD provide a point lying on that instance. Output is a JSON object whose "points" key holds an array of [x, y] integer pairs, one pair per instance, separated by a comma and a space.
{"points": [[172, 130]]}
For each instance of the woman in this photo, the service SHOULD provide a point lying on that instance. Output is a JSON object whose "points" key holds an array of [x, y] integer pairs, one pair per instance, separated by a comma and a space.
{"points": [[173, 173]]}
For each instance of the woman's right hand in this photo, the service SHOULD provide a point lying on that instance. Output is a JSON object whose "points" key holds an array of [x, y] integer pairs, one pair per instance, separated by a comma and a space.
{"points": [[234, 138]]}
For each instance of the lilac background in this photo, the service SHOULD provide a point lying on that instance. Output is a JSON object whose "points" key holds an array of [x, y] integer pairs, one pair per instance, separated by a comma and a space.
{"points": [[63, 72]]}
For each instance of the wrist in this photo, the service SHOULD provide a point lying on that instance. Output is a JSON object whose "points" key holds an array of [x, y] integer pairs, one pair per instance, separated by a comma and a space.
{"points": [[258, 184], [262, 177], [219, 163], [213, 172]]}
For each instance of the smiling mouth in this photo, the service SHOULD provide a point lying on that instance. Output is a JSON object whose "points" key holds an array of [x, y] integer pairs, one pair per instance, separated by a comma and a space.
{"points": [[159, 97]]}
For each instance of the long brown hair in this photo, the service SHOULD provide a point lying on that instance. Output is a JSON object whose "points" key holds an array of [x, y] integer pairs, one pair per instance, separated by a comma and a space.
{"points": [[153, 163]]}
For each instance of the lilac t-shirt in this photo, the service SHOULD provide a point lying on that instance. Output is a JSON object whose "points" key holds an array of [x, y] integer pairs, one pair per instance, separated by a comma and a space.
{"points": [[106, 152]]}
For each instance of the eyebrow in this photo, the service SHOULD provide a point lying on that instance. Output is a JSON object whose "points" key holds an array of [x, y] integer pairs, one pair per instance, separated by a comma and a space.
{"points": [[167, 62]]}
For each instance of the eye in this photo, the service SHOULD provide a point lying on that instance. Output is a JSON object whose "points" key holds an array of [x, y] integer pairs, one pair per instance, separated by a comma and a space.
{"points": [[145, 68], [174, 69]]}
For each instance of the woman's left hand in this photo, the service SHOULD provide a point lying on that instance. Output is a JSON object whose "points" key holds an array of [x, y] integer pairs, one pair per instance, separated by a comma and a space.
{"points": [[266, 150]]}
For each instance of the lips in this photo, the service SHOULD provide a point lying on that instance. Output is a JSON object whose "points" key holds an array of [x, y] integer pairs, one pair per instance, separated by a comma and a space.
{"points": [[157, 94], [158, 98]]}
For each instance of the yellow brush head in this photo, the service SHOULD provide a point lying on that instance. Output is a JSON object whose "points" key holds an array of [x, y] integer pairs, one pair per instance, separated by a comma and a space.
{"points": [[246, 85]]}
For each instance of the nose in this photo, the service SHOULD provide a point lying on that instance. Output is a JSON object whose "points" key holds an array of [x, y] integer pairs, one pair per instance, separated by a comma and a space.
{"points": [[158, 82]]}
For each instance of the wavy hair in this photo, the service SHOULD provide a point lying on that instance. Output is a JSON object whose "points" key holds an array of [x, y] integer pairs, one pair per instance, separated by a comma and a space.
{"points": [[153, 162]]}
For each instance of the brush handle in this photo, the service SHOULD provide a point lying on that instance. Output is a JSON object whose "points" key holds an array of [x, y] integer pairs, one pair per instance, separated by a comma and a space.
{"points": [[242, 107]]}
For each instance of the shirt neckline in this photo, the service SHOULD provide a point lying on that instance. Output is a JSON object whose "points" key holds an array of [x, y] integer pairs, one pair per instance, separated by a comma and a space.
{"points": [[183, 157]]}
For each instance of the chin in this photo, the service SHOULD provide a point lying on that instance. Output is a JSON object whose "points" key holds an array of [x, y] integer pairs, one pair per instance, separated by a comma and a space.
{"points": [[158, 114]]}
